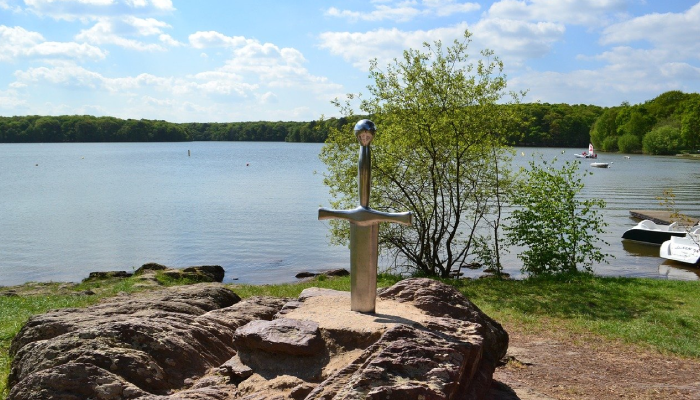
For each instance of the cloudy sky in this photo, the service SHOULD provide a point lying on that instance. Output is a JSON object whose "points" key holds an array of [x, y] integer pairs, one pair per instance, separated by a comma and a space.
{"points": [[231, 60]]}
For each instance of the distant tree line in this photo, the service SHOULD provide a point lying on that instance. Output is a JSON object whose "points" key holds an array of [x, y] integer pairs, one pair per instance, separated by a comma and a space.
{"points": [[667, 124], [86, 128]]}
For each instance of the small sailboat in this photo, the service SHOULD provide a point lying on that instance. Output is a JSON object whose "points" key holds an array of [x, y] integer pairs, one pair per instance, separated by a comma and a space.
{"points": [[590, 154]]}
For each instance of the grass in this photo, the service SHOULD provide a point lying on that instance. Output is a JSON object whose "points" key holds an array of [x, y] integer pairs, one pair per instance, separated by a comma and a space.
{"points": [[657, 314]]}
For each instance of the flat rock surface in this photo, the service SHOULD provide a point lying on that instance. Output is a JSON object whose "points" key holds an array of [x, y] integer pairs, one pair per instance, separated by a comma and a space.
{"points": [[331, 310]]}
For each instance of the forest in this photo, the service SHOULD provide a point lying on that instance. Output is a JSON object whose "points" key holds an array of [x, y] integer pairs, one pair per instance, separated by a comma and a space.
{"points": [[667, 124]]}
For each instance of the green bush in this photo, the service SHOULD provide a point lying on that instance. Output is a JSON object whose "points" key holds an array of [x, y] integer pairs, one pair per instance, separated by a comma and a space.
{"points": [[629, 143], [610, 144], [558, 230], [664, 140]]}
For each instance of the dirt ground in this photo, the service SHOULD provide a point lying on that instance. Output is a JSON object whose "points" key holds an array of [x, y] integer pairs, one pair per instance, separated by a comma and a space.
{"points": [[545, 366]]}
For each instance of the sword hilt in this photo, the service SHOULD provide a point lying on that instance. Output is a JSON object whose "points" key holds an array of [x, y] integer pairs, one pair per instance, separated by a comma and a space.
{"points": [[365, 216]]}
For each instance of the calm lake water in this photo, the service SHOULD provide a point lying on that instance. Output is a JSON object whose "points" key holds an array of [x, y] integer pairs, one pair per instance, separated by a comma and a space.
{"points": [[69, 209]]}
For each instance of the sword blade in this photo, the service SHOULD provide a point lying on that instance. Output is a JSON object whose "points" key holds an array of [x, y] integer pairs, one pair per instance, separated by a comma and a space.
{"points": [[363, 267]]}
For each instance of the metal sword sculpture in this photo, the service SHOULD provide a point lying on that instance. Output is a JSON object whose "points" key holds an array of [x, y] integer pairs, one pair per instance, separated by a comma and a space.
{"points": [[364, 227]]}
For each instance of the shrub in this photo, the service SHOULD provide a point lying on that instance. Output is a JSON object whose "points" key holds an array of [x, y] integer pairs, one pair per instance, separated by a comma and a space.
{"points": [[663, 140], [629, 143], [559, 230]]}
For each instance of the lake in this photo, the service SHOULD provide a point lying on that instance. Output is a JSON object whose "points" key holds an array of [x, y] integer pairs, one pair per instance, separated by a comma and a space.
{"points": [[67, 209]]}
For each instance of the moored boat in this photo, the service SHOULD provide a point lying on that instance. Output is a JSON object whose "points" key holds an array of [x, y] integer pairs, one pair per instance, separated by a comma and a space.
{"points": [[600, 165], [685, 249], [648, 231]]}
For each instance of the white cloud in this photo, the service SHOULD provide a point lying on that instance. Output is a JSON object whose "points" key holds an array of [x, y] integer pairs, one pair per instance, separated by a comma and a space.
{"points": [[578, 12], [169, 40], [398, 14], [517, 40], [254, 74], [638, 74], [672, 31], [10, 102], [384, 44], [117, 32], [18, 42], [5, 5], [67, 75], [66, 50], [201, 40], [92, 9], [403, 11], [444, 8]]}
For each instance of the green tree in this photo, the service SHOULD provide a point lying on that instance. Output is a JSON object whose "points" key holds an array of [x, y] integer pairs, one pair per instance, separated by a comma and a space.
{"points": [[558, 230], [48, 129], [663, 140], [610, 144], [439, 129], [629, 143], [605, 126], [690, 124]]}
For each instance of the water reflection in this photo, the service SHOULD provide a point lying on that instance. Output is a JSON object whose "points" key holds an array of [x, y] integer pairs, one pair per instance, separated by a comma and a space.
{"points": [[678, 271], [640, 249]]}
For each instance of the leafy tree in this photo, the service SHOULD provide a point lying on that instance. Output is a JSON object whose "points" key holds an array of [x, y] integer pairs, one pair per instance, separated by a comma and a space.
{"points": [[48, 129], [610, 143], [629, 143], [558, 229], [604, 127], [690, 124], [439, 131], [664, 140]]}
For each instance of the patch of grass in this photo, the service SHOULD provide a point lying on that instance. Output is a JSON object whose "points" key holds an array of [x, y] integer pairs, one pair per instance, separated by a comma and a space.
{"points": [[664, 315], [294, 289]]}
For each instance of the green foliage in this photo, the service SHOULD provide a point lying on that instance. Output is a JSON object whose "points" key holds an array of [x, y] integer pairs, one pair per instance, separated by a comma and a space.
{"points": [[629, 143], [553, 125], [671, 109], [605, 126], [292, 290], [438, 144], [558, 229], [664, 140], [610, 144], [658, 314], [690, 123], [86, 128]]}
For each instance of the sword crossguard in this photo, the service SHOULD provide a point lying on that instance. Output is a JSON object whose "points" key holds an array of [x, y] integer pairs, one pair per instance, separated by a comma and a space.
{"points": [[365, 216]]}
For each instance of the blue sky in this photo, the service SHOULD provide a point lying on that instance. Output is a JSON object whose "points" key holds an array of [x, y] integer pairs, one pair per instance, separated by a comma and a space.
{"points": [[230, 60]]}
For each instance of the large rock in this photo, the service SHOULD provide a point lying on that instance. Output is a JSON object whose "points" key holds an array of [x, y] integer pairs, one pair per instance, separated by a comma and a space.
{"points": [[425, 340], [158, 342], [284, 335]]}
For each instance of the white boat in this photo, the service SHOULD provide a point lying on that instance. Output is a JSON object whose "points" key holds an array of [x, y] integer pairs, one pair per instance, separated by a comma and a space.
{"points": [[601, 164], [647, 231], [685, 249], [589, 154]]}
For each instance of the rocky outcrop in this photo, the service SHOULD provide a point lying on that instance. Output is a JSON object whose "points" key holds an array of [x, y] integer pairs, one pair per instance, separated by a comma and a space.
{"points": [[149, 271], [202, 341], [330, 272]]}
